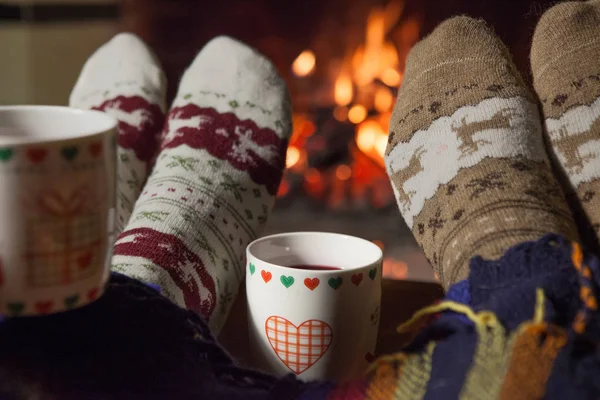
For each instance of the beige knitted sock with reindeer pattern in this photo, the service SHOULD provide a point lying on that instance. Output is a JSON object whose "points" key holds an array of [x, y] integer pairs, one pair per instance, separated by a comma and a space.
{"points": [[565, 58], [466, 155]]}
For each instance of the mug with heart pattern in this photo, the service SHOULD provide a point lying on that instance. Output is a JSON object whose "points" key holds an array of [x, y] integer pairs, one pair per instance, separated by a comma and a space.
{"points": [[57, 199], [306, 317]]}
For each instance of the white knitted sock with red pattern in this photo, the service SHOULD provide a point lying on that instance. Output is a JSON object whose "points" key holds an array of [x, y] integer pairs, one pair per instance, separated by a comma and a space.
{"points": [[214, 182], [123, 79]]}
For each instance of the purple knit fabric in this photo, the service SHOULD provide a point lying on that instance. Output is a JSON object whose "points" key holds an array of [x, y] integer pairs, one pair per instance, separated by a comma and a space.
{"points": [[132, 343], [460, 293]]}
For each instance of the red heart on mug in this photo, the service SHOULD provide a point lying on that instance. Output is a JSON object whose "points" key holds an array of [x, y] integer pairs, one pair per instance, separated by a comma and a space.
{"points": [[36, 155], [357, 278], [92, 294], [369, 358], [298, 347], [84, 260], [96, 149], [266, 275], [43, 307], [311, 283]]}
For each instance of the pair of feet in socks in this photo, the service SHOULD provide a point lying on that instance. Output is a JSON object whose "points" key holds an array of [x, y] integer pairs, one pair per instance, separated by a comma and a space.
{"points": [[470, 156], [216, 159], [478, 162]]}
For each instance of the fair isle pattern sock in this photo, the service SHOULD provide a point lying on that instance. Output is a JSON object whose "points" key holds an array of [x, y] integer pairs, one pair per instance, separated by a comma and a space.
{"points": [[465, 154], [123, 79], [214, 182], [565, 58]]}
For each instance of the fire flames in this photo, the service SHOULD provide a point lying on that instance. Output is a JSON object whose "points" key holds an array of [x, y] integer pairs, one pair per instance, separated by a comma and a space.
{"points": [[304, 64], [375, 67], [363, 91]]}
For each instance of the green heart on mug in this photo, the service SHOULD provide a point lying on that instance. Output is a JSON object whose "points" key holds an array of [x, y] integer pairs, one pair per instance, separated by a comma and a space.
{"points": [[372, 273], [5, 154], [335, 282], [69, 153], [287, 280], [252, 269], [71, 301], [16, 308]]}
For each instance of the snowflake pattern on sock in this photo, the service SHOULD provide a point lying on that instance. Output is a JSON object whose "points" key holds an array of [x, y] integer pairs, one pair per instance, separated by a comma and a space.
{"points": [[211, 190], [241, 143], [214, 181]]}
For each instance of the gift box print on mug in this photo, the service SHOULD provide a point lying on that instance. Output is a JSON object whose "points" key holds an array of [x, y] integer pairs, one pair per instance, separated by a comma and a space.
{"points": [[57, 177], [64, 237], [313, 304]]}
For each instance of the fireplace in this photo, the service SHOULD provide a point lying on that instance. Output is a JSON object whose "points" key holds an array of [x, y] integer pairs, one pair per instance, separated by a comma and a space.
{"points": [[343, 61], [343, 92]]}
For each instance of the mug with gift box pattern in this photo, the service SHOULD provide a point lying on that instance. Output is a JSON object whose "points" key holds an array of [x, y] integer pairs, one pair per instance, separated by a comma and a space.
{"points": [[57, 199], [318, 324]]}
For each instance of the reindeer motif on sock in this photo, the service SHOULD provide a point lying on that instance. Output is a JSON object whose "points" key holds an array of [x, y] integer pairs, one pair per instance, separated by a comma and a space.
{"points": [[577, 128], [139, 124], [569, 148], [414, 167], [476, 137], [466, 131]]}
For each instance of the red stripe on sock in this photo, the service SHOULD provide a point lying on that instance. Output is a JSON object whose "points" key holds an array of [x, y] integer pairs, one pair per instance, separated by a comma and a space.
{"points": [[228, 138], [172, 255], [142, 139]]}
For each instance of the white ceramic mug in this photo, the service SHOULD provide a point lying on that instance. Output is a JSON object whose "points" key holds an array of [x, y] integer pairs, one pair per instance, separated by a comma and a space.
{"points": [[57, 199], [318, 324]]}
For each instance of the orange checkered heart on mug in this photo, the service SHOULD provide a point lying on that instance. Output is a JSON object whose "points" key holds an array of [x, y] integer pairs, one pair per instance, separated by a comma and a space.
{"points": [[298, 347]]}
